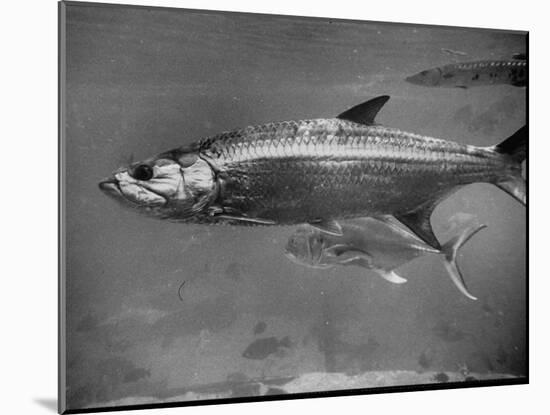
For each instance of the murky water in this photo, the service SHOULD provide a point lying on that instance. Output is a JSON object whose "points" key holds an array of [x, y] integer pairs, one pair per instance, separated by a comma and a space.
{"points": [[247, 321]]}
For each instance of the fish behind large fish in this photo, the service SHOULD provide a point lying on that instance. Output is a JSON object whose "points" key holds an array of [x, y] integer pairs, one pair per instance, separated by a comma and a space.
{"points": [[315, 171], [477, 73], [376, 245]]}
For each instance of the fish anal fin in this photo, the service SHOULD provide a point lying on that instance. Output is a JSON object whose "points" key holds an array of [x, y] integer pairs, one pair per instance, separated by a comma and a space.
{"points": [[391, 276], [226, 213], [418, 221], [366, 112], [331, 227], [515, 187]]}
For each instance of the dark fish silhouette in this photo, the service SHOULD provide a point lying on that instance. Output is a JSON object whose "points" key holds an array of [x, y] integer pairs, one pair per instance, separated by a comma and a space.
{"points": [[262, 348], [449, 332], [315, 171], [477, 73], [260, 327], [374, 244]]}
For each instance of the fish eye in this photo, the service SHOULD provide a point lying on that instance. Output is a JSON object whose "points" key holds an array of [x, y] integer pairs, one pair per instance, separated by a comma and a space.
{"points": [[143, 172]]}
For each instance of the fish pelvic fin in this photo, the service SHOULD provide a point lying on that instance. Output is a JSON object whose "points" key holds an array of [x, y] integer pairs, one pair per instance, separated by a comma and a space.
{"points": [[285, 342], [418, 221], [366, 112], [515, 147], [390, 275], [450, 250]]}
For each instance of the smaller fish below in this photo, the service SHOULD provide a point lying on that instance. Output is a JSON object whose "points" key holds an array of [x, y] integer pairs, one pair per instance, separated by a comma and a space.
{"points": [[476, 73], [260, 327], [262, 348], [376, 244]]}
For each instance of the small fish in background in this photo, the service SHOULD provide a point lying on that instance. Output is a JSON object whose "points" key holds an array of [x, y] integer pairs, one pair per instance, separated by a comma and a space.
{"points": [[262, 348], [449, 333], [501, 356], [441, 377], [453, 52], [476, 73], [375, 244], [234, 271], [136, 374], [426, 358], [260, 327], [480, 362]]}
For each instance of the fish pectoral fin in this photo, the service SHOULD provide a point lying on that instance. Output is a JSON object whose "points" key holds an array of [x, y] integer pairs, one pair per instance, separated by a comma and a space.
{"points": [[328, 226], [390, 275], [418, 221], [366, 112], [221, 212], [252, 221], [462, 86]]}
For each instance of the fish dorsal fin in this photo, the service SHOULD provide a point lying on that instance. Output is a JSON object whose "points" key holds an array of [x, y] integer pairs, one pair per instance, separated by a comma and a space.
{"points": [[366, 112], [418, 221], [328, 226]]}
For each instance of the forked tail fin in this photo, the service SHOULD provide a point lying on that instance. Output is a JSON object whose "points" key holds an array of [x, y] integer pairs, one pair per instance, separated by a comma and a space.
{"points": [[450, 250], [515, 147]]}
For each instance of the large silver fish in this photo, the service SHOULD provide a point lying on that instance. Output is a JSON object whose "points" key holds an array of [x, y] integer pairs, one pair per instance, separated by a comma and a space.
{"points": [[315, 171], [477, 73], [374, 244]]}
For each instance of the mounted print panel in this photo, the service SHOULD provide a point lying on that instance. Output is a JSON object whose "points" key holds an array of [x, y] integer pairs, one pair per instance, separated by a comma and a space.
{"points": [[259, 206]]}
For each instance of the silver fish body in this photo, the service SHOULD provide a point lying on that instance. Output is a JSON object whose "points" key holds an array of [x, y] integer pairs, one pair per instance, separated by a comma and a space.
{"points": [[314, 171], [296, 172], [477, 73]]}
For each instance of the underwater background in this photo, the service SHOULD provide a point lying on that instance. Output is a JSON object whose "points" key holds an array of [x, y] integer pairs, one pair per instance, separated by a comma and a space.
{"points": [[247, 321]]}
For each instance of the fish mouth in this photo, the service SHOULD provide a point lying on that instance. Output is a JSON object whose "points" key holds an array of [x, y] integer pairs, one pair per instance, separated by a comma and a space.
{"points": [[111, 187]]}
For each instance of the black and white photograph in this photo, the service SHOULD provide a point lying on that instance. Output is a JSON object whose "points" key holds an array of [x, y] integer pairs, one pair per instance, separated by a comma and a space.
{"points": [[258, 207]]}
